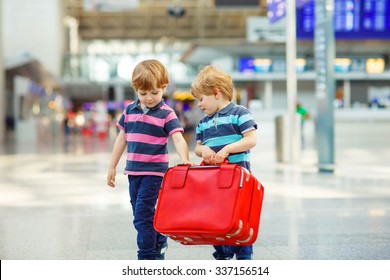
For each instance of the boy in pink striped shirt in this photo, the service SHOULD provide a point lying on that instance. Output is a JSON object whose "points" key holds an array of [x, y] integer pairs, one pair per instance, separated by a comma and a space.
{"points": [[145, 127]]}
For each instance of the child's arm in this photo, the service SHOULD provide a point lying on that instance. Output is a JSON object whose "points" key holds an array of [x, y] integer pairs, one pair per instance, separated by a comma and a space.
{"points": [[248, 141], [181, 147], [119, 147]]}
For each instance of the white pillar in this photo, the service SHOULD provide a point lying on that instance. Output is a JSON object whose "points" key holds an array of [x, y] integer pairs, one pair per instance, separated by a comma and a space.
{"points": [[268, 95], [26, 128], [2, 86], [34, 27], [119, 93], [291, 56], [347, 94]]}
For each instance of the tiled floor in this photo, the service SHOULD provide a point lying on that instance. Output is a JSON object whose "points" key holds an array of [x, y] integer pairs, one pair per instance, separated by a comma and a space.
{"points": [[54, 203]]}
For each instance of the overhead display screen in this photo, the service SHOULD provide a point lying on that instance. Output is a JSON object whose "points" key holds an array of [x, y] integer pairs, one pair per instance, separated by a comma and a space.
{"points": [[353, 20]]}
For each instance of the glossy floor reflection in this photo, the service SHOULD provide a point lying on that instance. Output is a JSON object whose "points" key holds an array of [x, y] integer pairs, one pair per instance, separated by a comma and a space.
{"points": [[54, 203]]}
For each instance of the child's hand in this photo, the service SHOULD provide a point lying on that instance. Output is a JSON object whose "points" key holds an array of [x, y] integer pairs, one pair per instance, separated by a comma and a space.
{"points": [[186, 162], [208, 155], [220, 156], [111, 177]]}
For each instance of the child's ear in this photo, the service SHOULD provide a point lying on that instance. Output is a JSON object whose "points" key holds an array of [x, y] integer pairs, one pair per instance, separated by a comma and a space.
{"points": [[217, 93]]}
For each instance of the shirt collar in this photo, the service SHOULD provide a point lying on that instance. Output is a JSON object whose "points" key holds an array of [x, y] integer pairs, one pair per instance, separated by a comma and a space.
{"points": [[225, 110], [135, 105]]}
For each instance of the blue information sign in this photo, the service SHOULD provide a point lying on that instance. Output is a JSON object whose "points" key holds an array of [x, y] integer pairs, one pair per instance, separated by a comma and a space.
{"points": [[300, 3], [276, 9], [353, 19]]}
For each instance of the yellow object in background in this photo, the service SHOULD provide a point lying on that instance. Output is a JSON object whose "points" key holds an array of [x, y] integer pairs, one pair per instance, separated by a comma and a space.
{"points": [[183, 96]]}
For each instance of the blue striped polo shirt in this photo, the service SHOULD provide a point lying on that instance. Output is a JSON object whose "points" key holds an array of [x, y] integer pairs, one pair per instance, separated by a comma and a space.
{"points": [[147, 135], [225, 127]]}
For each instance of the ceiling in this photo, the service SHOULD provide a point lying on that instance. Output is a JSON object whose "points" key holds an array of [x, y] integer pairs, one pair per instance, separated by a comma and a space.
{"points": [[153, 19], [213, 31]]}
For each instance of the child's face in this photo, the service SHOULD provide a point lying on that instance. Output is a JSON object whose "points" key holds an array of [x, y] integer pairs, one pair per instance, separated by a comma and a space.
{"points": [[150, 98], [208, 103]]}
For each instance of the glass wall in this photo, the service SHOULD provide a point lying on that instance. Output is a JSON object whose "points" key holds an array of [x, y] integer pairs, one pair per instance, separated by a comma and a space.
{"points": [[114, 60]]}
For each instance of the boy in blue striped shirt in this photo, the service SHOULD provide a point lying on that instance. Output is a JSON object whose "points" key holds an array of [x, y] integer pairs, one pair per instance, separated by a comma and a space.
{"points": [[227, 131]]}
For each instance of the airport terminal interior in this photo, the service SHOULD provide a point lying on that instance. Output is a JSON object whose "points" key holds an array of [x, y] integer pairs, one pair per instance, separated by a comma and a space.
{"points": [[67, 68]]}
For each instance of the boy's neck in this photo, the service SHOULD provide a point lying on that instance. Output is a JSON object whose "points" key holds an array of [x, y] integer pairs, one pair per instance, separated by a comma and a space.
{"points": [[223, 104], [143, 106]]}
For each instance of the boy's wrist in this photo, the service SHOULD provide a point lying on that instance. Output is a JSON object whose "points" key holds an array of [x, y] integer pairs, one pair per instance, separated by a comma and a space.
{"points": [[226, 150]]}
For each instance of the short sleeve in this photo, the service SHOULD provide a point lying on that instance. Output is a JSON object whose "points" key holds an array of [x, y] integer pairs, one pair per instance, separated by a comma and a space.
{"points": [[173, 124], [246, 122], [121, 122]]}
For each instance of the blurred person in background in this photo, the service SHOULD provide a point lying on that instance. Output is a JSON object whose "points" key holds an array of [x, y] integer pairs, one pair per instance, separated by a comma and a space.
{"points": [[302, 111]]}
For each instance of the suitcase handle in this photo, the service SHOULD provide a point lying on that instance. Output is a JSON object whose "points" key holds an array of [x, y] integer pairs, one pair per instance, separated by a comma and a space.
{"points": [[226, 174], [225, 161]]}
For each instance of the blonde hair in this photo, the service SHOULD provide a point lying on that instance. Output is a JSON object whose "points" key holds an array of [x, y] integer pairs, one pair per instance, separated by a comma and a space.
{"points": [[209, 79], [149, 75]]}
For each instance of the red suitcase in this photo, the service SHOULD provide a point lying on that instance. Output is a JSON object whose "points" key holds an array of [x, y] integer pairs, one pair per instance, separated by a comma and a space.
{"points": [[217, 205]]}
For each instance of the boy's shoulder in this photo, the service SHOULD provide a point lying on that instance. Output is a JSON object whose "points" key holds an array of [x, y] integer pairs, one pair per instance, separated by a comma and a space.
{"points": [[165, 106], [131, 105], [241, 107], [236, 109]]}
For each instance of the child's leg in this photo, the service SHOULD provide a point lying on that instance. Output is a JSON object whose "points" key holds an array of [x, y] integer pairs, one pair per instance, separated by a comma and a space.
{"points": [[222, 253], [161, 246], [243, 252], [143, 193]]}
